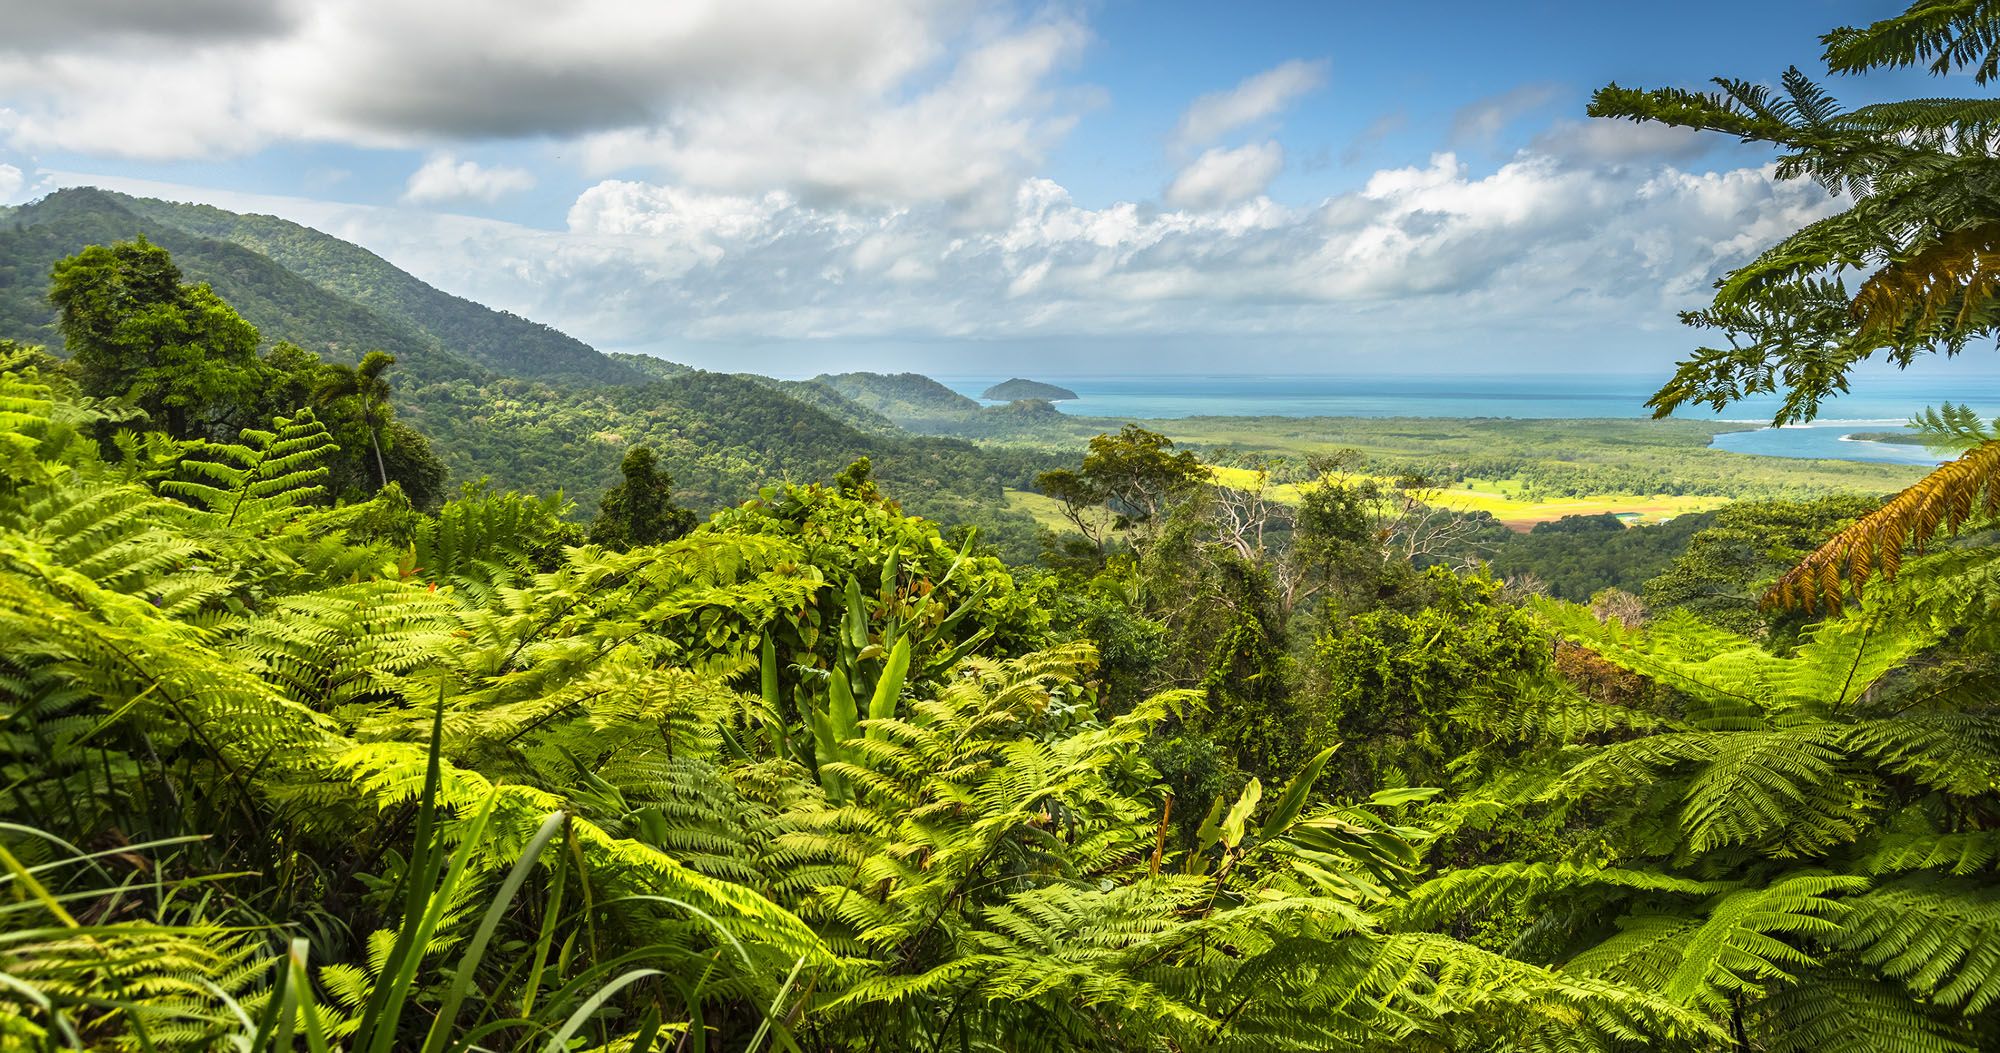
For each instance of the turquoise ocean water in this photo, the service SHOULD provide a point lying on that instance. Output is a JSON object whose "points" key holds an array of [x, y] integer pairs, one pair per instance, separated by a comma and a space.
{"points": [[1880, 404]]}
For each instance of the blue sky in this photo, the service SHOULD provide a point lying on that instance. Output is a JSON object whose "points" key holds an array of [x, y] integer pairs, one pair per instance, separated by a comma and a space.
{"points": [[789, 187]]}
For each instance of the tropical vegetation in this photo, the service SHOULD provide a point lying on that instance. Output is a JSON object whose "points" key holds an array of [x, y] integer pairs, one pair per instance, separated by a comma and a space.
{"points": [[300, 751]]}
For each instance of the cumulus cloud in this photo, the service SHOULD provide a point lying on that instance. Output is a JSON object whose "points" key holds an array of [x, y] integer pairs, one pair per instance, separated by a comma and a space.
{"points": [[860, 99], [1483, 119], [965, 140], [11, 181], [444, 178], [1257, 98], [1432, 260], [1223, 177], [1430, 254]]}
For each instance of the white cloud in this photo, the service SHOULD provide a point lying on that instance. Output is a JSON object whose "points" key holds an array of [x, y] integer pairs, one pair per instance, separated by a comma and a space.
{"points": [[1430, 262], [966, 140], [1256, 98], [880, 100], [1482, 119], [11, 181], [1223, 177], [443, 178]]}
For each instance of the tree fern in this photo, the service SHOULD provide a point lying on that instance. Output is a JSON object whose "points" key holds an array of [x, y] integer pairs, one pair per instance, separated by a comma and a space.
{"points": [[264, 474]]}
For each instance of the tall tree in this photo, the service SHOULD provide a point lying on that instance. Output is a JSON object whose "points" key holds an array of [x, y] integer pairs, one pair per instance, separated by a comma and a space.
{"points": [[1126, 483], [640, 509], [368, 388], [137, 331], [1922, 236]]}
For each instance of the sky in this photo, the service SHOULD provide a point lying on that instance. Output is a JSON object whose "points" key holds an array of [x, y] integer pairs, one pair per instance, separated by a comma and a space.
{"points": [[959, 187]]}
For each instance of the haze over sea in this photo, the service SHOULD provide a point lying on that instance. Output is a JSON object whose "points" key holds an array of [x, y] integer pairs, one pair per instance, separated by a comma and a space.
{"points": [[1880, 403]]}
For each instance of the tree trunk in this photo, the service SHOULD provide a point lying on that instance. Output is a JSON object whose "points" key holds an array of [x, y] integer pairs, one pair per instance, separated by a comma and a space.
{"points": [[381, 469]]}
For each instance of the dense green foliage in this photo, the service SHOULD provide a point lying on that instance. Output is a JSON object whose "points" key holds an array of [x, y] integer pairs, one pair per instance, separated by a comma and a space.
{"points": [[640, 510], [813, 776], [805, 776], [293, 756], [1575, 557], [137, 332]]}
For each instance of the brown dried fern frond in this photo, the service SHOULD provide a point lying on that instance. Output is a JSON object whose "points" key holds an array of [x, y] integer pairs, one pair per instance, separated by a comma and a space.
{"points": [[1957, 492], [1948, 285]]}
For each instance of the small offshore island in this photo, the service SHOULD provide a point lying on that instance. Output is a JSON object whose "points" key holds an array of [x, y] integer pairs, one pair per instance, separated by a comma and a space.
{"points": [[1017, 389]]}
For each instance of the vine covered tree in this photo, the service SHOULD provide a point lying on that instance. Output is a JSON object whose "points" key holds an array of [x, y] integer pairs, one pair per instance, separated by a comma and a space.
{"points": [[136, 331], [640, 509]]}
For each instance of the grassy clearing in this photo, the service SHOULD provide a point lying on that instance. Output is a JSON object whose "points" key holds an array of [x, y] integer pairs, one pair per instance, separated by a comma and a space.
{"points": [[1507, 500], [1046, 510]]}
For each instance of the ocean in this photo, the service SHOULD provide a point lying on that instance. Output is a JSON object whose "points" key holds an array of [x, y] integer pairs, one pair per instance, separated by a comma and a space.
{"points": [[1877, 404]]}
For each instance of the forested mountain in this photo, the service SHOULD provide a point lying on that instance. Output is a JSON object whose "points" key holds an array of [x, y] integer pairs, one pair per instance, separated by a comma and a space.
{"points": [[505, 343], [507, 399], [282, 304], [899, 396]]}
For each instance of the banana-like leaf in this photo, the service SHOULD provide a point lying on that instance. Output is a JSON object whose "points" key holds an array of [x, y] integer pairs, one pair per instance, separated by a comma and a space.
{"points": [[1293, 800], [1233, 825], [883, 705]]}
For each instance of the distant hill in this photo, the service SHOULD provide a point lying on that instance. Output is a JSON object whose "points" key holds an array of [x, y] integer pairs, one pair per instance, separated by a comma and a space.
{"points": [[648, 366], [831, 402], [520, 403], [1017, 389], [899, 396], [283, 305], [505, 343], [916, 403]]}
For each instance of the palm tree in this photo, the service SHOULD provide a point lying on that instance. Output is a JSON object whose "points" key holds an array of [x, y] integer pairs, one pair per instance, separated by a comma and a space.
{"points": [[1923, 176], [366, 385]]}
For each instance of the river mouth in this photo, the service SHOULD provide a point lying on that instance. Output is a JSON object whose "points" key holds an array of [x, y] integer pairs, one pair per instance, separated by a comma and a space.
{"points": [[1828, 440]]}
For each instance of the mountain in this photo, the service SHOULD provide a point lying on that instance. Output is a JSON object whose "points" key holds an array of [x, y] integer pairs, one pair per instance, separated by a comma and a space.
{"points": [[515, 402], [505, 343], [1017, 389], [293, 283], [899, 396], [283, 305]]}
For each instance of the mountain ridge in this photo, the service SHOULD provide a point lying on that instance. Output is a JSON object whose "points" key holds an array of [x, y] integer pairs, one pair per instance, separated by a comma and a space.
{"points": [[527, 406]]}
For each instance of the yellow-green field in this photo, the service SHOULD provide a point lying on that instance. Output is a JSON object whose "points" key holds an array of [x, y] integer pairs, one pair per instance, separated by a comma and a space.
{"points": [[1522, 472], [1046, 510], [1505, 501]]}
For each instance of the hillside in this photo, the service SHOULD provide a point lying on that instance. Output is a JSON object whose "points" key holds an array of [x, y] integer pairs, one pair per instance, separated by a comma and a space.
{"points": [[505, 343], [281, 304], [899, 396], [505, 399]]}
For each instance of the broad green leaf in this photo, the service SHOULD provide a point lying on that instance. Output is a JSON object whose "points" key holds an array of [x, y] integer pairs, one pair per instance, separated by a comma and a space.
{"points": [[1239, 813], [1293, 800]]}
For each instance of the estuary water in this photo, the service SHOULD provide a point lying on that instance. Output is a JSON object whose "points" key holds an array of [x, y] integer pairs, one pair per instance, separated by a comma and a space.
{"points": [[1879, 404]]}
